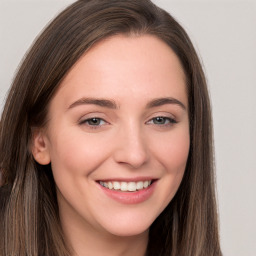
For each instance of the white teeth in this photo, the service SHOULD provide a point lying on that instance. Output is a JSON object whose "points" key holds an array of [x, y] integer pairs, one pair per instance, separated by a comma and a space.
{"points": [[110, 185], [145, 184], [126, 186], [139, 185], [117, 185], [131, 186], [104, 184]]}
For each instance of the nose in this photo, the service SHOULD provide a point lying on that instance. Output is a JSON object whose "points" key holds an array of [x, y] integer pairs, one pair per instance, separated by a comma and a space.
{"points": [[131, 147]]}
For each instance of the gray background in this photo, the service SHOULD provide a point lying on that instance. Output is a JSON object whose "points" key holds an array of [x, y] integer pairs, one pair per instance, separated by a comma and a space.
{"points": [[224, 33]]}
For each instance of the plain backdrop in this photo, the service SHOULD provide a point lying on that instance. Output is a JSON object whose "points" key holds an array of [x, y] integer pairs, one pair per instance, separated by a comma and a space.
{"points": [[224, 34]]}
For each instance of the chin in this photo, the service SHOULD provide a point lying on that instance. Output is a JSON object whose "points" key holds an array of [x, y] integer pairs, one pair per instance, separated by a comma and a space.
{"points": [[128, 232], [128, 225]]}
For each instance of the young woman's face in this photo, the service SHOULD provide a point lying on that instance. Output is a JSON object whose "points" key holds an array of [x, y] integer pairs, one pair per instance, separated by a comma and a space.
{"points": [[118, 135]]}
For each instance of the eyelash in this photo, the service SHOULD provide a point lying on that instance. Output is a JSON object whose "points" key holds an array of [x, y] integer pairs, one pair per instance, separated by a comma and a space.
{"points": [[170, 121], [93, 126], [167, 122]]}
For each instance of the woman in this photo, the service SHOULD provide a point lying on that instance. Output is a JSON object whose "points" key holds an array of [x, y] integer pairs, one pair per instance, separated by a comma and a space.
{"points": [[106, 140]]}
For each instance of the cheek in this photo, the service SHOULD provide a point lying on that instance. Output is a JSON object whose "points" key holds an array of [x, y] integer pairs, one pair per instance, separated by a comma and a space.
{"points": [[173, 151], [77, 154], [178, 152]]}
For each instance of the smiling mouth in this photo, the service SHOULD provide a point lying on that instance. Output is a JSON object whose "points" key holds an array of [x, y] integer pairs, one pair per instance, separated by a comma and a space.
{"points": [[126, 186]]}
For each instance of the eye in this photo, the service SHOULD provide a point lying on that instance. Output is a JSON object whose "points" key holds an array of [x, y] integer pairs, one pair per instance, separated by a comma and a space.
{"points": [[93, 122], [161, 120]]}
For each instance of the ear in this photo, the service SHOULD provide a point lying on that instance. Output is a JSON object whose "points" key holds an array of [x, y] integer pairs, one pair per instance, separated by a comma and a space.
{"points": [[40, 147]]}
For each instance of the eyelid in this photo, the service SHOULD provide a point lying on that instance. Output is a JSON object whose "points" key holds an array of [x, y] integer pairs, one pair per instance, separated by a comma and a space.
{"points": [[161, 113], [170, 118], [92, 118], [91, 115], [84, 122]]}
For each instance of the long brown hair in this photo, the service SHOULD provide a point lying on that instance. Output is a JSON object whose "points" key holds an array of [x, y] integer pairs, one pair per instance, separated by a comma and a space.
{"points": [[30, 222]]}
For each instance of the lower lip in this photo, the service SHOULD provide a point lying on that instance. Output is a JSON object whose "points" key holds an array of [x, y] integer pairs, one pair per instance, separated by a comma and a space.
{"points": [[130, 197]]}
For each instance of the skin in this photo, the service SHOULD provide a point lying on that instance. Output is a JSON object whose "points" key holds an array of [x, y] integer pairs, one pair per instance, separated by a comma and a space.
{"points": [[127, 142]]}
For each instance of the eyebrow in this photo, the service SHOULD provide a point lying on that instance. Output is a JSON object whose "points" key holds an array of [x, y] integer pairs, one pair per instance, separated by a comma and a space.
{"points": [[94, 101], [163, 101], [111, 104]]}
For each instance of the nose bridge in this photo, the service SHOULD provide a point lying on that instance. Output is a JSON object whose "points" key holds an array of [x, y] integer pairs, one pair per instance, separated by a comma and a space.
{"points": [[132, 146]]}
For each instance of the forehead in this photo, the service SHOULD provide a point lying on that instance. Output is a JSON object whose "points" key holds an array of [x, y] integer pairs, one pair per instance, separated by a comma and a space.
{"points": [[141, 65]]}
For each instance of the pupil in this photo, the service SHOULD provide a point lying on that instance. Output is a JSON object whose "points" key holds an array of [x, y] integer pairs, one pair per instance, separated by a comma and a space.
{"points": [[160, 120], [94, 121]]}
